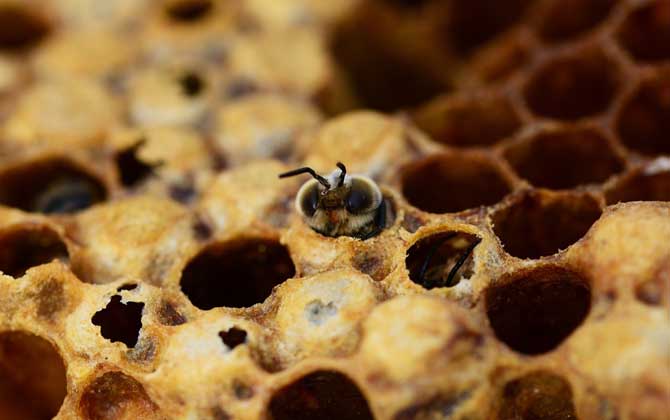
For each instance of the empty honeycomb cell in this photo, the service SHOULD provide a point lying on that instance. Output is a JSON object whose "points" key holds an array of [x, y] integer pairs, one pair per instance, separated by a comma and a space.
{"points": [[442, 259], [564, 20], [537, 224], [449, 183], [537, 395], [32, 377], [569, 87], [478, 120], [527, 309], [472, 23], [120, 322], [29, 245], [22, 27], [645, 34], [50, 186], [237, 273], [188, 11], [643, 122], [640, 185], [233, 337], [115, 395], [565, 158], [501, 59], [325, 395]]}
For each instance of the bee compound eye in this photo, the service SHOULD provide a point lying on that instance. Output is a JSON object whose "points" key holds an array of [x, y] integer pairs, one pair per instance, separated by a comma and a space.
{"points": [[363, 196], [308, 198]]}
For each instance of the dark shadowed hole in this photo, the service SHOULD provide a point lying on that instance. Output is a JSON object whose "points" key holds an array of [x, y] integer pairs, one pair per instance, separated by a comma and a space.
{"points": [[466, 122], [501, 58], [28, 246], [32, 377], [49, 186], [233, 337], [640, 186], [21, 28], [472, 23], [188, 11], [536, 224], [408, 4], [452, 183], [115, 395], [565, 158], [537, 395], [238, 273], [120, 321], [573, 87], [442, 259], [323, 395], [534, 310], [403, 83], [191, 84], [643, 123], [566, 19], [646, 32], [132, 170]]}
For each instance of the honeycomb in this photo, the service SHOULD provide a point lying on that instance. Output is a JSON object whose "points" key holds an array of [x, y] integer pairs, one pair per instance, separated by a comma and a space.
{"points": [[154, 265]]}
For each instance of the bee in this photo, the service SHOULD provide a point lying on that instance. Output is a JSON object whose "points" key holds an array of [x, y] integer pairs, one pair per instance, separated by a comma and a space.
{"points": [[341, 204]]}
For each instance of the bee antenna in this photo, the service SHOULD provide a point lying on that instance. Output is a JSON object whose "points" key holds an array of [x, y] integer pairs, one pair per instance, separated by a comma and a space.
{"points": [[342, 174], [323, 181]]}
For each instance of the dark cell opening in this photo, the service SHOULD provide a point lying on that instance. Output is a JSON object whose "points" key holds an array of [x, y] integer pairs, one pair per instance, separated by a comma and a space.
{"points": [[28, 246], [646, 32], [50, 186], [537, 395], [643, 123], [120, 321], [565, 158], [32, 377], [534, 310], [640, 186], [191, 84], [324, 395], [564, 20], [573, 87], [654, 291], [233, 337], [115, 395], [132, 171], [189, 11], [408, 4], [500, 59], [468, 122], [127, 286], [238, 273], [472, 23], [380, 76], [538, 224], [442, 259], [21, 28], [449, 183]]}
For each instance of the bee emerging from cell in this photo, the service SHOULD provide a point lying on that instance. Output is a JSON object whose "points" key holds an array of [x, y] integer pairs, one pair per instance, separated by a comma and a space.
{"points": [[340, 204]]}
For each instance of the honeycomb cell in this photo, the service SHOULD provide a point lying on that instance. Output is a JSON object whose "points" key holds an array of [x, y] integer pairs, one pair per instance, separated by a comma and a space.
{"points": [[188, 11], [237, 273], [115, 395], [645, 34], [448, 183], [573, 86], [640, 185], [472, 23], [501, 58], [26, 246], [442, 259], [563, 20], [537, 395], [120, 322], [479, 120], [527, 309], [21, 27], [326, 395], [643, 122], [32, 377], [537, 224], [50, 186], [565, 158]]}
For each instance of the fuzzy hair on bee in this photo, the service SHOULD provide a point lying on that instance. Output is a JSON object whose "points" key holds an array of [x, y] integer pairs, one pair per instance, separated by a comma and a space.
{"points": [[340, 204]]}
